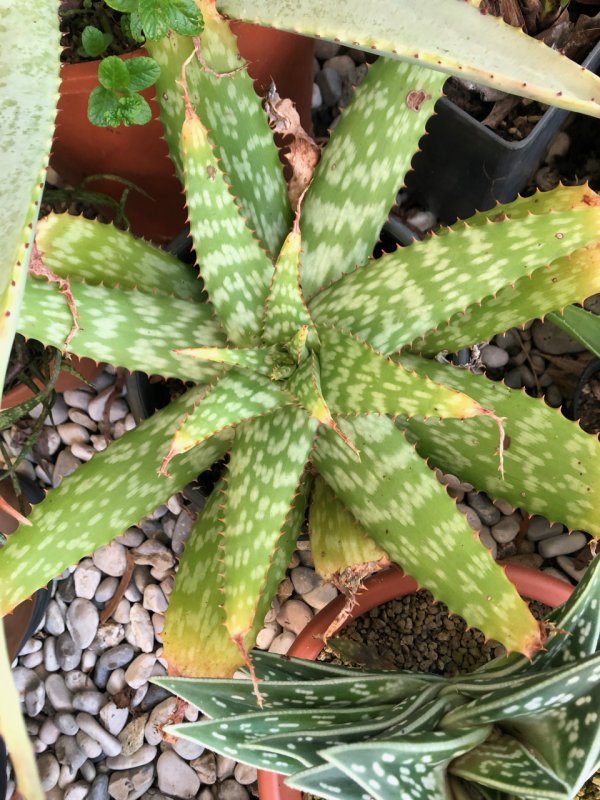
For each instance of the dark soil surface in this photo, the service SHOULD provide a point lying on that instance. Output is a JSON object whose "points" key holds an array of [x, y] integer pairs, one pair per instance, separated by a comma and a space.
{"points": [[75, 15]]}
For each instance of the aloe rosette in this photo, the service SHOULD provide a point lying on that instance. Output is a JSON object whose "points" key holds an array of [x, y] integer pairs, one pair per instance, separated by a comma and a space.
{"points": [[515, 728], [307, 364]]}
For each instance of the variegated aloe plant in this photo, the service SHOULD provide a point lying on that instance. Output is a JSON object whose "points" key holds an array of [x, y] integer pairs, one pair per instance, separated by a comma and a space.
{"points": [[307, 363], [514, 728]]}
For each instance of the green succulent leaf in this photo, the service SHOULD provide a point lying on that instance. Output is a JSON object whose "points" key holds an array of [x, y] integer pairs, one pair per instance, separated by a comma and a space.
{"points": [[305, 385], [362, 168], [337, 541], [75, 247], [508, 766], [113, 74], [94, 41], [239, 396], [236, 271], [392, 301], [261, 489], [143, 72], [260, 359], [581, 324], [29, 66], [358, 380], [270, 666], [107, 317], [106, 495], [395, 496], [570, 463], [443, 35], [328, 782], [224, 98]]}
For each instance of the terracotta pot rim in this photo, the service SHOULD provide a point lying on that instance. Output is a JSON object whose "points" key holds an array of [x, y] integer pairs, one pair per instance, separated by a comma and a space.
{"points": [[378, 589]]}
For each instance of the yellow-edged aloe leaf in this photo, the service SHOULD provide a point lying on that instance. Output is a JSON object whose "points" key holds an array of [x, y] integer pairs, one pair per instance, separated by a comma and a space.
{"points": [[235, 270], [259, 359], [106, 495], [446, 35], [358, 380], [392, 301], [223, 95], [262, 483], [305, 385], [567, 280], [362, 167], [285, 310], [337, 541], [561, 483], [238, 396], [128, 328], [75, 247], [29, 79], [398, 500]]}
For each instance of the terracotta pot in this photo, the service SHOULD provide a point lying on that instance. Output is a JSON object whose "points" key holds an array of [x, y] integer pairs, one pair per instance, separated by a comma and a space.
{"points": [[86, 366], [139, 153], [380, 588]]}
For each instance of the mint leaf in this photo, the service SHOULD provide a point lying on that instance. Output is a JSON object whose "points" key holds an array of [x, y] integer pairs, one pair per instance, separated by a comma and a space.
{"points": [[113, 74], [186, 18], [155, 16], [94, 42], [134, 110], [131, 26], [103, 108], [143, 72], [123, 5]]}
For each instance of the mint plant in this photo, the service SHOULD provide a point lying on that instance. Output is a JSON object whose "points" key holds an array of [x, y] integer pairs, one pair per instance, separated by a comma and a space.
{"points": [[117, 99], [153, 19], [94, 41]]}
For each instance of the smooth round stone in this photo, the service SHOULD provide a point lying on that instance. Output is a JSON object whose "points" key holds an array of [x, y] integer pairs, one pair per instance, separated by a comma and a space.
{"points": [[504, 506], [484, 508], [82, 621], [206, 768], [562, 545], [244, 774], [507, 529], [87, 745], [556, 573], [88, 661], [159, 716], [111, 559], [50, 661], [97, 404], [110, 660], [49, 770], [531, 560], [132, 735], [130, 784], [154, 554], [265, 637], [116, 682], [67, 752], [77, 791], [282, 643], [33, 660], [294, 616], [114, 718], [109, 635], [78, 681], [77, 398], [87, 723], [154, 599], [122, 611], [99, 788], [140, 670], [549, 338], [67, 776], [90, 701], [65, 722], [188, 750], [144, 755], [175, 777], [140, 632], [71, 432], [106, 590], [568, 565], [232, 790], [133, 537], [86, 578], [225, 766], [88, 770], [49, 733], [304, 580], [54, 622], [59, 696], [320, 596], [494, 357], [68, 654], [540, 528]]}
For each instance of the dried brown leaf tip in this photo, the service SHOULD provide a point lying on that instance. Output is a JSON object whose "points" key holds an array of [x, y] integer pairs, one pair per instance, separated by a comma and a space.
{"points": [[40, 270], [301, 151]]}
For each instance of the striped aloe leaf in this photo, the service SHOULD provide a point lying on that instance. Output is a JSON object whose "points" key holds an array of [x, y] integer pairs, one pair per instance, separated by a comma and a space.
{"points": [[29, 70], [433, 740], [444, 35]]}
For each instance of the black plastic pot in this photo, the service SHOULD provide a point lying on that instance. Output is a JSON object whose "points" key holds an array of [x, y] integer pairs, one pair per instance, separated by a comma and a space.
{"points": [[464, 167]]}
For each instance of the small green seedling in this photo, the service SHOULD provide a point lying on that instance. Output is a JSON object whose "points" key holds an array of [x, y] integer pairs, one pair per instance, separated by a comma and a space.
{"points": [[94, 41], [117, 99]]}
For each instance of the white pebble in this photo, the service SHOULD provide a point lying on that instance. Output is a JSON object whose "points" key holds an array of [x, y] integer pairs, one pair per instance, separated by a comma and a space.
{"points": [[111, 559], [71, 432], [87, 723], [175, 777]]}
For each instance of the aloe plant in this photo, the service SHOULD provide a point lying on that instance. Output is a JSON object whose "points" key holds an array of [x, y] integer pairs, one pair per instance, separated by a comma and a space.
{"points": [[515, 728], [305, 362]]}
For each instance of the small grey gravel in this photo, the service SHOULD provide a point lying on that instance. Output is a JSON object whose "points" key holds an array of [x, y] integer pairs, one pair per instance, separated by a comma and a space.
{"points": [[65, 722], [484, 508], [68, 654], [54, 622], [206, 768], [111, 559], [131, 783], [539, 528], [114, 718], [87, 723], [507, 529], [140, 670], [82, 622], [494, 357], [143, 755], [139, 631], [562, 545], [110, 660], [568, 565], [175, 777], [49, 770], [99, 788], [59, 696], [87, 745], [231, 790], [90, 701]]}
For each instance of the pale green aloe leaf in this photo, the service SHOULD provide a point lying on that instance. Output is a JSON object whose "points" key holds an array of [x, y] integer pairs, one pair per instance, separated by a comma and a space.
{"points": [[106, 495], [358, 380], [285, 310], [235, 270], [129, 329], [305, 385], [392, 301], [223, 96], [581, 324], [386, 767], [237, 397], [75, 247], [362, 168], [261, 488], [195, 639], [567, 280], [398, 500], [260, 359], [270, 666], [29, 79], [508, 766], [445, 35], [570, 463], [328, 782], [337, 541]]}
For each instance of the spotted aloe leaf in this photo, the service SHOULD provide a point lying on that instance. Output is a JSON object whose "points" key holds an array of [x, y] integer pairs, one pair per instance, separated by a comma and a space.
{"points": [[107, 318], [443, 35], [508, 766], [29, 70], [99, 501], [235, 270], [237, 397], [392, 301], [222, 94], [395, 496], [337, 541], [75, 247], [570, 463], [260, 497], [378, 385], [260, 359], [362, 168]]}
